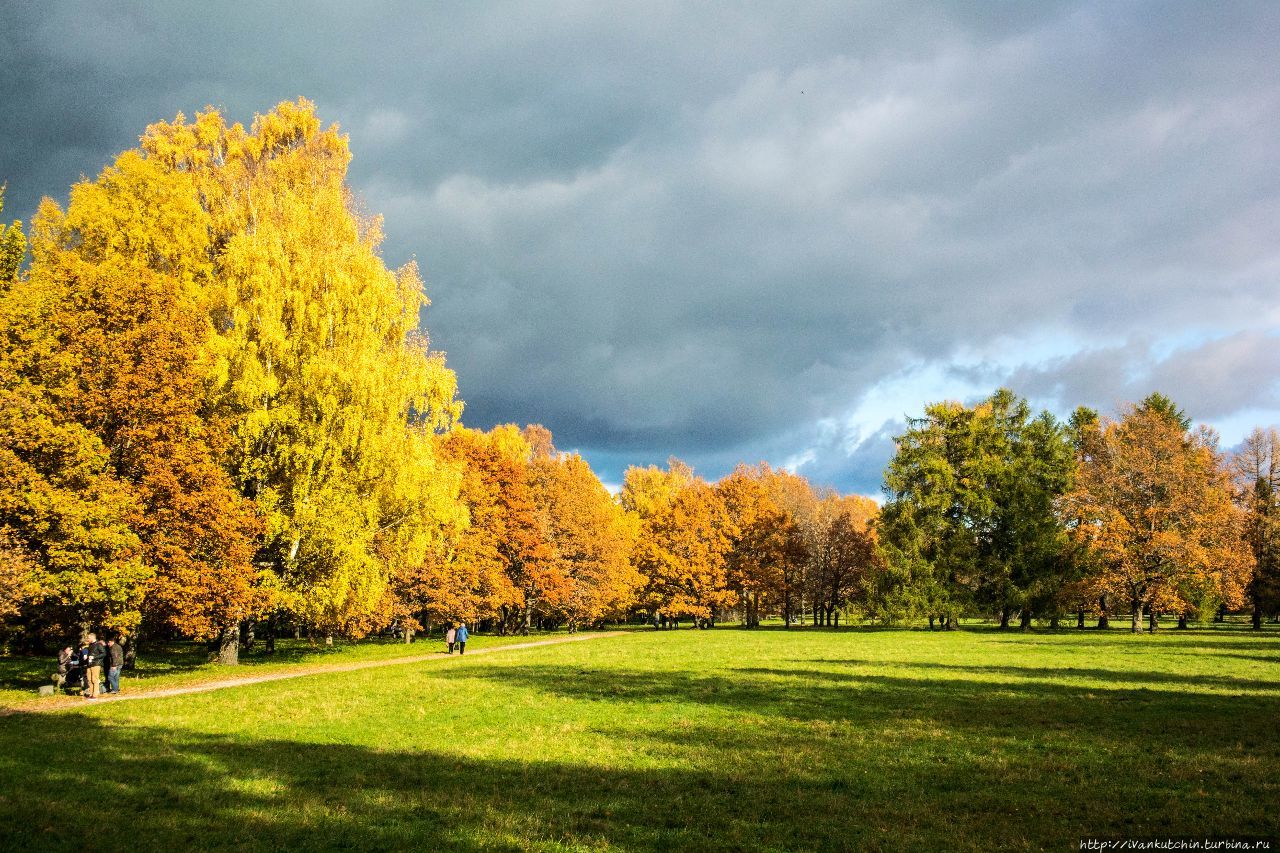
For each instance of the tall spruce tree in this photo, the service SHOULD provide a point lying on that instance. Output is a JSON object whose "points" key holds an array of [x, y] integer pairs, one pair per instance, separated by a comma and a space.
{"points": [[969, 523]]}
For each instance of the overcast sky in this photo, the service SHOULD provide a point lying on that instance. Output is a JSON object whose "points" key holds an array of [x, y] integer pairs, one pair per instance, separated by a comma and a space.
{"points": [[753, 230]]}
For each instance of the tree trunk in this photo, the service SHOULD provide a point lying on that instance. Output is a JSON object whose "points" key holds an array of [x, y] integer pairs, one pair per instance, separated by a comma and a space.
{"points": [[247, 628], [297, 632], [951, 622], [1182, 621], [837, 619], [931, 621], [131, 650], [1053, 622], [1079, 618], [1155, 620], [229, 646], [1135, 626], [271, 634], [1004, 618], [408, 635], [1257, 617], [1025, 621]]}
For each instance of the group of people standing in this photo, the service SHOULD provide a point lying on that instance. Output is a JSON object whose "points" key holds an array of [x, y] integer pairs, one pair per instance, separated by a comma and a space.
{"points": [[84, 667], [457, 637]]}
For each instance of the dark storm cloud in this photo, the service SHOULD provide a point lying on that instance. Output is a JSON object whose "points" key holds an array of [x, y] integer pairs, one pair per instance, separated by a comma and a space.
{"points": [[751, 231]]}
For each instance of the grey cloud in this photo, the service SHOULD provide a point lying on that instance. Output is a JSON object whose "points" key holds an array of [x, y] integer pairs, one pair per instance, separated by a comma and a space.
{"points": [[702, 230], [1210, 380]]}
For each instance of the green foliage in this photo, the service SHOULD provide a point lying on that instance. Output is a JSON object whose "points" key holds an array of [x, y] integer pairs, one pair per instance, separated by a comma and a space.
{"points": [[1163, 406], [13, 249], [970, 517]]}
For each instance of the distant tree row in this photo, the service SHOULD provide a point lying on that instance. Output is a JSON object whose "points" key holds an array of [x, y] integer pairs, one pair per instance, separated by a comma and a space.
{"points": [[760, 542]]}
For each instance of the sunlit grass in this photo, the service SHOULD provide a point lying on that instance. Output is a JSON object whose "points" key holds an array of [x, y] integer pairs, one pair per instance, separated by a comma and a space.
{"points": [[724, 739]]}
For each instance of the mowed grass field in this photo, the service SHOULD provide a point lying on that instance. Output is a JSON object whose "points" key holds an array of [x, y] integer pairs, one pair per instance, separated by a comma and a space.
{"points": [[722, 739]]}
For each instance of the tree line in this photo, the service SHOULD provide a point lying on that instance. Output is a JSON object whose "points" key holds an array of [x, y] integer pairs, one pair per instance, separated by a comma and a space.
{"points": [[994, 510], [217, 410]]}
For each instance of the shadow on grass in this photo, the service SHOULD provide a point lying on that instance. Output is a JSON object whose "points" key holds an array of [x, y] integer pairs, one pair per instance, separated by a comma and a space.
{"points": [[1117, 678], [848, 762], [1101, 718]]}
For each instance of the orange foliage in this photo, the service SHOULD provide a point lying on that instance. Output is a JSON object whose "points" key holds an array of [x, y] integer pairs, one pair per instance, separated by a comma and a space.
{"points": [[590, 537], [683, 552], [131, 260], [1154, 504]]}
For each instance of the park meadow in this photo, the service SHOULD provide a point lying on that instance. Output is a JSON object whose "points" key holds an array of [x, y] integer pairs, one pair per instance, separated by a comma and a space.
{"points": [[723, 739]]}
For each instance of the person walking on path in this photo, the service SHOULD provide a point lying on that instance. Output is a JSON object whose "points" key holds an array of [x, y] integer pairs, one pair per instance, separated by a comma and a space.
{"points": [[461, 638], [96, 654], [449, 637], [115, 662]]}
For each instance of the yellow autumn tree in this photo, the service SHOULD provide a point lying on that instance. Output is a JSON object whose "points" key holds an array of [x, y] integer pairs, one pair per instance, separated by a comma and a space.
{"points": [[132, 262], [650, 490], [331, 396], [65, 517]]}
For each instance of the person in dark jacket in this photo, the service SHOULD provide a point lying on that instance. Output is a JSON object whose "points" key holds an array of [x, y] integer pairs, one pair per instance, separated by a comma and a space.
{"points": [[461, 638], [96, 653], [114, 662], [65, 658], [80, 669]]}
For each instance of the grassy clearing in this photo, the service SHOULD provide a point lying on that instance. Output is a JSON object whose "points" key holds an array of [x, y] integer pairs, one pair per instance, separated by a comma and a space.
{"points": [[721, 740], [183, 664]]}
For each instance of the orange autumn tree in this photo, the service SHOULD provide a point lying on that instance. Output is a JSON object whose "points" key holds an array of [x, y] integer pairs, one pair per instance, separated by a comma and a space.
{"points": [[684, 542], [1154, 504], [766, 547], [497, 563], [804, 507], [589, 534], [131, 262], [19, 579], [71, 560], [844, 554]]}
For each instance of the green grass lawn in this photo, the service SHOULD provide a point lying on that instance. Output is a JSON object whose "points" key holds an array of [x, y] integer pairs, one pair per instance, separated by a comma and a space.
{"points": [[722, 739]]}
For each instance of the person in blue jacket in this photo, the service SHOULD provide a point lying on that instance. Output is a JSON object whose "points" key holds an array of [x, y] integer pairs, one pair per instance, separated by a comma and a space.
{"points": [[460, 638]]}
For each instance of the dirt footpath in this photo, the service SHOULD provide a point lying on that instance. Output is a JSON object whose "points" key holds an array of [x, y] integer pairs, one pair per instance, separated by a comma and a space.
{"points": [[62, 703]]}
